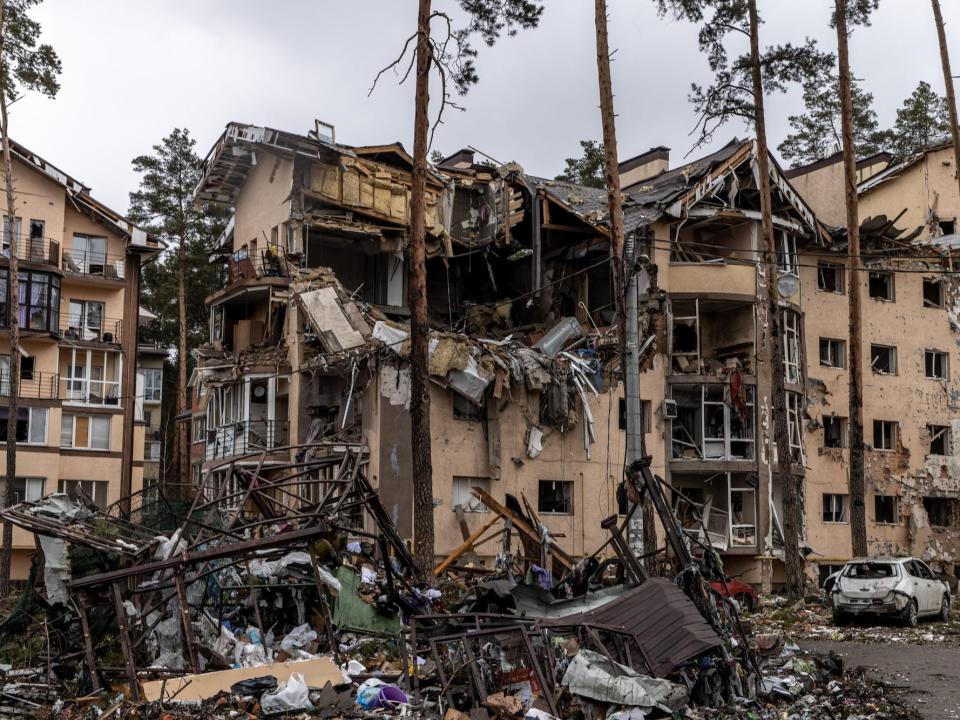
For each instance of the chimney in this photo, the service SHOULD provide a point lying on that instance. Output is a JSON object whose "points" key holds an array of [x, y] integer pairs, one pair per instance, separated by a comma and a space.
{"points": [[461, 159], [642, 167]]}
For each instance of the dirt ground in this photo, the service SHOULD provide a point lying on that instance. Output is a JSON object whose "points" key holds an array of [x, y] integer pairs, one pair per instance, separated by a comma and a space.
{"points": [[930, 673]]}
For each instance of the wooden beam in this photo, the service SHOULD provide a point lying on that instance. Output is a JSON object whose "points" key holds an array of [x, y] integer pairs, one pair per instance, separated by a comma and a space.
{"points": [[463, 547]]}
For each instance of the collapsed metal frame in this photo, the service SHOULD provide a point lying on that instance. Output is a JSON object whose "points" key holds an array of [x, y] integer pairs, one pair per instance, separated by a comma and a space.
{"points": [[217, 534]]}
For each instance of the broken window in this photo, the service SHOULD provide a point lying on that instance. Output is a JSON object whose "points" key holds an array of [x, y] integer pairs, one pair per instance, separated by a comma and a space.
{"points": [[830, 277], [27, 489], [834, 508], [834, 431], [832, 353], [793, 426], [940, 511], [686, 337], [463, 409], [787, 255], [825, 570], [881, 285], [95, 490], [948, 227], [464, 498], [644, 414], [932, 293], [883, 359], [555, 496], [791, 346], [885, 509], [935, 364], [884, 434], [710, 425], [939, 439]]}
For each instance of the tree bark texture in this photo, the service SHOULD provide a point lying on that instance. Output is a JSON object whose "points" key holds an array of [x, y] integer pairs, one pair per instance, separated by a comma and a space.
{"points": [[792, 510], [182, 439], [13, 308], [423, 534], [858, 514], [948, 82]]}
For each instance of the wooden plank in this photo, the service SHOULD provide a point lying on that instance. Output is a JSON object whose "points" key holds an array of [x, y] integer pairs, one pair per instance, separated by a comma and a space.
{"points": [[125, 642], [522, 526], [464, 546]]}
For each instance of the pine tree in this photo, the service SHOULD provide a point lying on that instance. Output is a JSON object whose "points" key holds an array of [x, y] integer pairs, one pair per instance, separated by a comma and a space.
{"points": [[847, 14], [453, 57], [738, 92], [24, 65], [816, 133], [922, 120], [176, 285], [588, 168]]}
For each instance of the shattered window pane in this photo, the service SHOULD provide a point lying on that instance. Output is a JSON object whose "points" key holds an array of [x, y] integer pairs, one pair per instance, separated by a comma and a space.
{"points": [[464, 498], [871, 570], [932, 293], [940, 511], [555, 496], [832, 353], [834, 508], [883, 359], [935, 364], [885, 509], [830, 277], [881, 286], [834, 431], [884, 434]]}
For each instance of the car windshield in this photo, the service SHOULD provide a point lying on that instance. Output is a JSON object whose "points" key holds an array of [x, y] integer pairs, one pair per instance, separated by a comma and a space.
{"points": [[871, 570]]}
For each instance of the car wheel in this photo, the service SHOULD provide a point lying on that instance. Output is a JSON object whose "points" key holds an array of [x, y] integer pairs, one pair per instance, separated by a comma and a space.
{"points": [[911, 615], [945, 608], [745, 601]]}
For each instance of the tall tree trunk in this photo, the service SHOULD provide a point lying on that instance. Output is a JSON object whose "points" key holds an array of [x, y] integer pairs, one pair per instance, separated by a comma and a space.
{"points": [[182, 428], [858, 512], [948, 82], [635, 438], [792, 511], [13, 308], [417, 297]]}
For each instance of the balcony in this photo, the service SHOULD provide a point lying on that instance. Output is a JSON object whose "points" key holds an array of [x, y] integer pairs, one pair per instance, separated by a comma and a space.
{"points": [[39, 250], [106, 330], [93, 264], [246, 436], [39, 386], [90, 392], [713, 278], [251, 265]]}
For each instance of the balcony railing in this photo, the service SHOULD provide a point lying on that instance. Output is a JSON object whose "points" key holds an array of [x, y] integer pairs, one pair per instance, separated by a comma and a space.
{"points": [[40, 385], [40, 250], [108, 330], [86, 263], [244, 437], [245, 265], [90, 392]]}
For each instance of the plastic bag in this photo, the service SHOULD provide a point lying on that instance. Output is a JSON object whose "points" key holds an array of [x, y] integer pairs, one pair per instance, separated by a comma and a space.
{"points": [[291, 695], [298, 638]]}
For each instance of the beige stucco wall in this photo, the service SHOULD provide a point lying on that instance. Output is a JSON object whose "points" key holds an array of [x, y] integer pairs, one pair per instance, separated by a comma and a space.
{"points": [[822, 189], [907, 397], [924, 190], [264, 201]]}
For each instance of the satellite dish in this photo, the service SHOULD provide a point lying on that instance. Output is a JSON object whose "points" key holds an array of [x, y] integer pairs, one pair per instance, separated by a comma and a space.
{"points": [[788, 285]]}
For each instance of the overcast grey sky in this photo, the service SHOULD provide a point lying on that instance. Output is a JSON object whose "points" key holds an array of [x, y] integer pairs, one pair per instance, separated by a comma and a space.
{"points": [[135, 69]]}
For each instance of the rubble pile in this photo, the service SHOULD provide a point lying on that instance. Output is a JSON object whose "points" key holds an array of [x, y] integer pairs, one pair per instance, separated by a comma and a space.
{"points": [[813, 621]]}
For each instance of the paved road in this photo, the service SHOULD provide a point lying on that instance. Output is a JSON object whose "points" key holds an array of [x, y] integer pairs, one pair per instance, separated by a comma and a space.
{"points": [[931, 672]]}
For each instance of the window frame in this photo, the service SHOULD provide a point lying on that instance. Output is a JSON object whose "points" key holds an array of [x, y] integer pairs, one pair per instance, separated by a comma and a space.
{"points": [[839, 272], [831, 344], [892, 355], [149, 372], [474, 505], [933, 281], [94, 486], [842, 422], [27, 482], [894, 434], [937, 432], [891, 295], [934, 354], [91, 419], [895, 509], [842, 512], [569, 499]]}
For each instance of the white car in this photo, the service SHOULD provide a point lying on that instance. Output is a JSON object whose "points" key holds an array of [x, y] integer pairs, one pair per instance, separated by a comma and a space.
{"points": [[900, 588]]}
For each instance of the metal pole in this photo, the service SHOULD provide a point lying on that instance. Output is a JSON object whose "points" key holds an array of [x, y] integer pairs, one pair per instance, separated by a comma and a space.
{"points": [[631, 380]]}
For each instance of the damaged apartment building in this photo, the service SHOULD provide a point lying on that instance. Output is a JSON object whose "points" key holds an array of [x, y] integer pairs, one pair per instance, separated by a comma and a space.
{"points": [[308, 334], [909, 304]]}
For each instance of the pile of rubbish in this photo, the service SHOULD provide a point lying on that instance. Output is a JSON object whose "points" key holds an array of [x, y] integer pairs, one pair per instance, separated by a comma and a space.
{"points": [[291, 593], [812, 620]]}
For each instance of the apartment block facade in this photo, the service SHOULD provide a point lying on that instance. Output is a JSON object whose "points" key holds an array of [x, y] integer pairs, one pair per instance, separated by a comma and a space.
{"points": [[78, 428]]}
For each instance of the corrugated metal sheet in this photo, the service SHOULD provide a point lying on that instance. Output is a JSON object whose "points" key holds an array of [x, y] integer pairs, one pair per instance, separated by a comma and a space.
{"points": [[662, 619]]}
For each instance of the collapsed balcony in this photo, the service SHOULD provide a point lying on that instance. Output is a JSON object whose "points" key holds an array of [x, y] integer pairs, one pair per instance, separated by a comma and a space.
{"points": [[246, 417], [712, 336], [714, 421], [721, 508]]}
